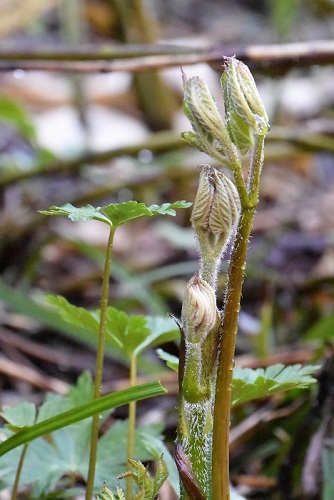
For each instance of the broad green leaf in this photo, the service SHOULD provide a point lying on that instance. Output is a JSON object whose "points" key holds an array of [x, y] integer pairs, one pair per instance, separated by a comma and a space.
{"points": [[19, 416], [82, 412], [131, 334], [251, 384], [162, 329], [171, 361], [120, 213], [78, 316], [135, 333], [83, 391], [84, 214], [115, 214], [128, 332], [78, 394], [123, 212]]}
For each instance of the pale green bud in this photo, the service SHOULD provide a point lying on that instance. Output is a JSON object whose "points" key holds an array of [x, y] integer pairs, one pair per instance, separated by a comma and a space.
{"points": [[199, 311], [217, 205], [210, 134], [244, 109]]}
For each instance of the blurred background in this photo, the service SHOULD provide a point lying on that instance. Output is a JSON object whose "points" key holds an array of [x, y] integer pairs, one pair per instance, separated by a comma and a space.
{"points": [[87, 116]]}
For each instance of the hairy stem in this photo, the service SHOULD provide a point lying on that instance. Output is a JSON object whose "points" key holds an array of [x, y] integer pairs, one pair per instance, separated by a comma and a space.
{"points": [[99, 364], [131, 425], [229, 327]]}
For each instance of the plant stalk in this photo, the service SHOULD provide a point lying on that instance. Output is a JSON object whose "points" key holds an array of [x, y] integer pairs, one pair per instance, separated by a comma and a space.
{"points": [[18, 472], [229, 327], [131, 426], [99, 364]]}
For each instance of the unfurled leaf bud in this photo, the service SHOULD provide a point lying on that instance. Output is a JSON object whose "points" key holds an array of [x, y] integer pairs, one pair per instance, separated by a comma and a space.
{"points": [[199, 311], [244, 109], [210, 133], [217, 205]]}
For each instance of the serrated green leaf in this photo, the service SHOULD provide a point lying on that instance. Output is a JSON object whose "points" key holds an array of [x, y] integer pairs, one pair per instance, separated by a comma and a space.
{"points": [[106, 494], [128, 332], [171, 361], [148, 487], [119, 213], [19, 416], [115, 214], [83, 391], [131, 334], [251, 384], [89, 320], [160, 475], [144, 481], [84, 214]]}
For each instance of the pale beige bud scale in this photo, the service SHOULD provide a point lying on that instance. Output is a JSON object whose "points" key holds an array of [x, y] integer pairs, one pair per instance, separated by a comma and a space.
{"points": [[199, 311]]}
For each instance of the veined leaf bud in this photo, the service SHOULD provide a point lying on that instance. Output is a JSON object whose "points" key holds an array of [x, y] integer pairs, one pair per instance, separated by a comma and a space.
{"points": [[244, 109], [217, 205], [210, 134], [199, 311]]}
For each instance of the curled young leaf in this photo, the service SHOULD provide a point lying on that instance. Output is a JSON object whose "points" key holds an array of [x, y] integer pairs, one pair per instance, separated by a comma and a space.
{"points": [[244, 110], [199, 311], [210, 133], [217, 205]]}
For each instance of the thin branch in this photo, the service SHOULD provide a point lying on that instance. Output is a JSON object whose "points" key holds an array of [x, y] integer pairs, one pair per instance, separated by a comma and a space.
{"points": [[302, 137], [134, 58]]}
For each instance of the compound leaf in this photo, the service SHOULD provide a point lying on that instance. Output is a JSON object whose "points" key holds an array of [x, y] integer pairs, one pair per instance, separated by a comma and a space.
{"points": [[251, 384]]}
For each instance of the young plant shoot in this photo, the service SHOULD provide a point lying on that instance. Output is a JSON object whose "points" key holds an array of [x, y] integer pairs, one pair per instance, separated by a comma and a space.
{"points": [[222, 214]]}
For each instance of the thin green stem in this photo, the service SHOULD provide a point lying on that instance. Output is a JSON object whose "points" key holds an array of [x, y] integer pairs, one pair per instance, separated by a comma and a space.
{"points": [[229, 327], [99, 364], [255, 171], [18, 472], [131, 425]]}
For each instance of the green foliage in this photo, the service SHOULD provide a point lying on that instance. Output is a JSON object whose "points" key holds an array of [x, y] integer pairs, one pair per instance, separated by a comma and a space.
{"points": [[148, 487], [129, 334], [115, 214], [76, 414], [251, 384], [20, 416], [67, 447], [106, 494]]}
